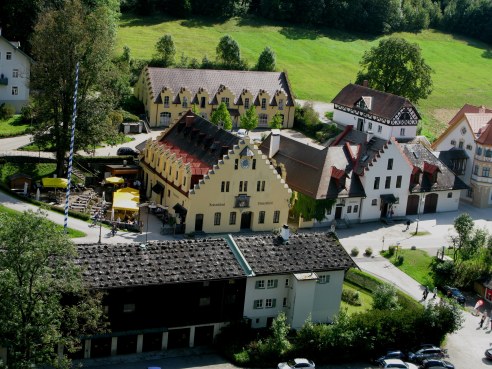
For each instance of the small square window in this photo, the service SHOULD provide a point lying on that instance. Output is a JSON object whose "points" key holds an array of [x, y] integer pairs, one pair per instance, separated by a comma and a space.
{"points": [[450, 195], [270, 303], [272, 283], [374, 202], [204, 301], [356, 208], [128, 308], [260, 284], [258, 304], [323, 279], [453, 142]]}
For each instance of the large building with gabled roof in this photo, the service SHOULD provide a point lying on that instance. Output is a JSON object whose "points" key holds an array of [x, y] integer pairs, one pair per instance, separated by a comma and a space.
{"points": [[383, 114], [213, 181], [168, 93]]}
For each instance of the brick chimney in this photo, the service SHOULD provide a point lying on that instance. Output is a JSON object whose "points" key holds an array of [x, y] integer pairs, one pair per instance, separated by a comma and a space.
{"points": [[189, 120]]}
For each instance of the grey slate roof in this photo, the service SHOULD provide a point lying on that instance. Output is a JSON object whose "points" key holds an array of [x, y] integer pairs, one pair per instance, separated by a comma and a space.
{"points": [[339, 157], [211, 80], [446, 179], [306, 166], [168, 262], [304, 252], [384, 104]]}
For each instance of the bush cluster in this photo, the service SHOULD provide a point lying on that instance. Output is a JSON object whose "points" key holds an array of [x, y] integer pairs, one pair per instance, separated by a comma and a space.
{"points": [[351, 297], [7, 111]]}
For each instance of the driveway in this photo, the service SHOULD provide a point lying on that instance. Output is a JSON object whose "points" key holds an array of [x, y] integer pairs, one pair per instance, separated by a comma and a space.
{"points": [[320, 107]]}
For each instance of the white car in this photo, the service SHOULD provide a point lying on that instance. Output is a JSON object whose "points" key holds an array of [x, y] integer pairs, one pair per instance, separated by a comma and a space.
{"points": [[397, 363], [297, 363], [241, 132]]}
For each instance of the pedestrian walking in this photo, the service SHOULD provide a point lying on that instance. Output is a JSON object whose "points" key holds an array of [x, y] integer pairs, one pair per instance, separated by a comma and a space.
{"points": [[482, 319], [434, 291], [426, 292], [408, 225]]}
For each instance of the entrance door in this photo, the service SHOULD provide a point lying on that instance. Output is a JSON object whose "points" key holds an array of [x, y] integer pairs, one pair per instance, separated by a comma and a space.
{"points": [[384, 209], [338, 212], [198, 222], [430, 205], [246, 220], [413, 204]]}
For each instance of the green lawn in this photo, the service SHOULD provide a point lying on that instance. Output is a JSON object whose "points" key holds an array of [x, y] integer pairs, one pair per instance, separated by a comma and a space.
{"points": [[35, 170], [365, 299], [12, 127], [321, 62], [416, 263], [72, 233]]}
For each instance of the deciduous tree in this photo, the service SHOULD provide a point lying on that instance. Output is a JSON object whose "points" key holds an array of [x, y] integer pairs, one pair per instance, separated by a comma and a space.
{"points": [[222, 117], [266, 60], [277, 121], [43, 299], [74, 33], [166, 50], [249, 120], [228, 52], [397, 66]]}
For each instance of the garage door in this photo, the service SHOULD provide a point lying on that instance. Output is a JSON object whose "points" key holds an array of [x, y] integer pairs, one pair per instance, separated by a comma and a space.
{"points": [[413, 204], [430, 203]]}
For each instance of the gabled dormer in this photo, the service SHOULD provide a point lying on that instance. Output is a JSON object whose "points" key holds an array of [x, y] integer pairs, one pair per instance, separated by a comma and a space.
{"points": [[364, 103], [166, 97], [431, 172], [247, 99]]}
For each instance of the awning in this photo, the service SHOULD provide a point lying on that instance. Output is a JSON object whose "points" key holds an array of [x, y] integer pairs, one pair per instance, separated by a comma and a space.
{"points": [[389, 199], [126, 199], [55, 182], [114, 180], [157, 188], [178, 208]]}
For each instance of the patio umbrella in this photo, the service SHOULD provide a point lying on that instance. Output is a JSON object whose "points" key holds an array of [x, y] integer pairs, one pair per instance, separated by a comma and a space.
{"points": [[115, 180]]}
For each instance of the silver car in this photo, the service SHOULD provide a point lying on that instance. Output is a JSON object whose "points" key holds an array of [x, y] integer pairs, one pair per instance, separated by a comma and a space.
{"points": [[297, 363]]}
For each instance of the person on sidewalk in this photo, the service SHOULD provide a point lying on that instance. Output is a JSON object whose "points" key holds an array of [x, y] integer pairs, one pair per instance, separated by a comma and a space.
{"points": [[434, 291], [425, 293], [482, 319], [408, 225]]}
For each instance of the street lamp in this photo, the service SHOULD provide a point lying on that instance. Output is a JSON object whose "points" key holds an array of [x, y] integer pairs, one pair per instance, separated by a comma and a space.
{"points": [[149, 206], [421, 199]]}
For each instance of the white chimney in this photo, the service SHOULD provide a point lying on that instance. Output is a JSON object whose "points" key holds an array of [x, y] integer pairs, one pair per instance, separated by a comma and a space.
{"points": [[285, 232], [370, 135], [274, 143]]}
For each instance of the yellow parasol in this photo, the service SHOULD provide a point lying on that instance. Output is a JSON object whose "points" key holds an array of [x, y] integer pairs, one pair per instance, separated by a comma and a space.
{"points": [[115, 180], [55, 182]]}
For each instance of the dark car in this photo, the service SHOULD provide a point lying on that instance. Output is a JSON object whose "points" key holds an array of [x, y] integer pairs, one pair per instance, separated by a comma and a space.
{"points": [[392, 354], [126, 151], [428, 352], [488, 353], [454, 293], [436, 363]]}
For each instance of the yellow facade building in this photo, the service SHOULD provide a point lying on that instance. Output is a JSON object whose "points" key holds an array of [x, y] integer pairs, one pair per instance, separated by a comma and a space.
{"points": [[212, 180], [168, 93]]}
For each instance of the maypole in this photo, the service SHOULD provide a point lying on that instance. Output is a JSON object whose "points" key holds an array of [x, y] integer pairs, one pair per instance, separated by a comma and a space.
{"points": [[72, 139]]}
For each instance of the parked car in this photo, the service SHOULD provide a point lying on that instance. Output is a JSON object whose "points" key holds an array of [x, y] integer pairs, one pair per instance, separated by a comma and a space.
{"points": [[126, 151], [297, 363], [397, 363], [392, 354], [488, 353], [454, 293], [241, 132], [427, 352], [436, 363]]}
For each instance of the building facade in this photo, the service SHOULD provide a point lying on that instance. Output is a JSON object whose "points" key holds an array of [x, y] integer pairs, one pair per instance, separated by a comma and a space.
{"points": [[212, 180], [15, 69], [168, 93], [481, 179], [383, 114]]}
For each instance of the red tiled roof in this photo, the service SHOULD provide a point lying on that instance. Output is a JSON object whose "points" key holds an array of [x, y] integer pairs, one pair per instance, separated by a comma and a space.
{"points": [[486, 135], [197, 166], [430, 168], [337, 173], [467, 108]]}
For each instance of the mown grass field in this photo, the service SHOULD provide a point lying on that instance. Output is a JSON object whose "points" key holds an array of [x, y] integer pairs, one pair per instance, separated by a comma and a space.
{"points": [[12, 127], [416, 263], [321, 62], [365, 299]]}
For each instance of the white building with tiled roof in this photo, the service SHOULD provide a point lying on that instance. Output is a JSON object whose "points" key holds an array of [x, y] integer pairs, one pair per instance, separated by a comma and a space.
{"points": [[15, 69], [167, 93]]}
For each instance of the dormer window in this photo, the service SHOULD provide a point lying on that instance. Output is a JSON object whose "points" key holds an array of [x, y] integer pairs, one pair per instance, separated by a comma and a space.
{"points": [[281, 104], [405, 116], [263, 104], [225, 100], [166, 101], [246, 103], [185, 102]]}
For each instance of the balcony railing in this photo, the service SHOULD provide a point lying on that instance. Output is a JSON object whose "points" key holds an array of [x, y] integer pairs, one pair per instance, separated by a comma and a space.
{"points": [[4, 81], [480, 179]]}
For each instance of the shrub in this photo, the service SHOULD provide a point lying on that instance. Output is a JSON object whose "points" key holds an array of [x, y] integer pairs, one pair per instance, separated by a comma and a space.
{"points": [[399, 260], [368, 251], [385, 298], [351, 297], [391, 251], [7, 111], [354, 251]]}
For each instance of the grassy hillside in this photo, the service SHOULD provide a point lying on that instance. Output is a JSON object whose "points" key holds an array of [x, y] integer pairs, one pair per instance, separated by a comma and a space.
{"points": [[321, 62]]}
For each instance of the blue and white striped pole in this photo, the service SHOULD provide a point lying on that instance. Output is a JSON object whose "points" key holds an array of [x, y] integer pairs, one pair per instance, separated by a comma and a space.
{"points": [[72, 139]]}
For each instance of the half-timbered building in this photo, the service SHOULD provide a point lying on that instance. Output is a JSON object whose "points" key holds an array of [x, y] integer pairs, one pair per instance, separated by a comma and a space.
{"points": [[383, 114]]}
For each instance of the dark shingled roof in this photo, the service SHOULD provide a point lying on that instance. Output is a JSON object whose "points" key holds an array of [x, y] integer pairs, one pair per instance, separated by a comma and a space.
{"points": [[350, 186], [168, 262], [486, 135], [180, 139], [306, 166], [384, 105], [212, 80], [304, 252], [421, 157]]}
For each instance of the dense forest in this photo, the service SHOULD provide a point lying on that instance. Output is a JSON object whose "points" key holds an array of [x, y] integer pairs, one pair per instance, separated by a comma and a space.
{"points": [[466, 17]]}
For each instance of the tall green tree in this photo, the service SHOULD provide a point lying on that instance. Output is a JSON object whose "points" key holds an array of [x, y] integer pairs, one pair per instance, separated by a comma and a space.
{"points": [[43, 299], [83, 34], [222, 117], [266, 60], [249, 120], [463, 226], [277, 121], [166, 50], [397, 66], [228, 53]]}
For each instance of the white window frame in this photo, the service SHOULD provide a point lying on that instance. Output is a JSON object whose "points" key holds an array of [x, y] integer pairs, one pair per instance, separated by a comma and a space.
{"points": [[270, 303], [15, 91], [166, 101], [324, 279], [225, 100], [260, 284], [272, 283], [15, 73], [263, 104], [8, 55], [258, 304], [246, 103]]}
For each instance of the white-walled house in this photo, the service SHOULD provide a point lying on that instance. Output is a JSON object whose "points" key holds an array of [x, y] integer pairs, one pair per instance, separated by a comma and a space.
{"points": [[368, 110], [301, 277], [15, 68], [458, 142]]}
